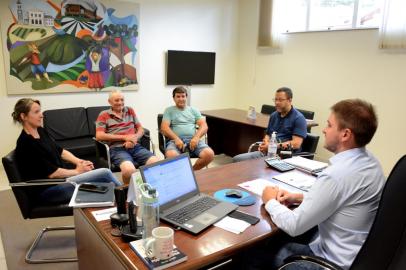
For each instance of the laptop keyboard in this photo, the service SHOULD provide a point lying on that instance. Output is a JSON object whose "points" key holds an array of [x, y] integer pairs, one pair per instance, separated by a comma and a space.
{"points": [[192, 210]]}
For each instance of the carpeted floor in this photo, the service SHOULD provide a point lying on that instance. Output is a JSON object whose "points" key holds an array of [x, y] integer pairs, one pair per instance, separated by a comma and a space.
{"points": [[18, 234]]}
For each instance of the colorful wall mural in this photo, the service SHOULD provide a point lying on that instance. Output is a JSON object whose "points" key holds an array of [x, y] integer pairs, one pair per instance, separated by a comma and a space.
{"points": [[70, 46]]}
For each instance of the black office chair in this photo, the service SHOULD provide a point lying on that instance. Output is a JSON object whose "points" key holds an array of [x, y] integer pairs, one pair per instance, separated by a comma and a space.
{"points": [[26, 194], [309, 146], [307, 114], [385, 246], [161, 137], [267, 109], [103, 151]]}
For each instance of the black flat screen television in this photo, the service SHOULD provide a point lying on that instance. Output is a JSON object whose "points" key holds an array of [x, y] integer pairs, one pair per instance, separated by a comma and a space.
{"points": [[187, 67]]}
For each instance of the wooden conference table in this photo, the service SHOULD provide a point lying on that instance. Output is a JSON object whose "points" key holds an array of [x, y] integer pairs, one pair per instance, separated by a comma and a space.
{"points": [[231, 132], [98, 249]]}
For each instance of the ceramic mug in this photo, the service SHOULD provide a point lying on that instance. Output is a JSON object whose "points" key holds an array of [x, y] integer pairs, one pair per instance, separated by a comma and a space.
{"points": [[160, 245]]}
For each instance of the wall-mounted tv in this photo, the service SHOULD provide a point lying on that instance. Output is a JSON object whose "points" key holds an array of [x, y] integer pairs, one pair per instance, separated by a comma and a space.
{"points": [[187, 67]]}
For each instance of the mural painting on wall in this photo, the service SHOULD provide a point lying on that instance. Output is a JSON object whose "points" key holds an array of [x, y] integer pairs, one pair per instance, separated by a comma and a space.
{"points": [[52, 46]]}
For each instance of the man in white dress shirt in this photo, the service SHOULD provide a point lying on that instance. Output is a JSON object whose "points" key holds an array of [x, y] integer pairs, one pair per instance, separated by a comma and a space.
{"points": [[344, 200]]}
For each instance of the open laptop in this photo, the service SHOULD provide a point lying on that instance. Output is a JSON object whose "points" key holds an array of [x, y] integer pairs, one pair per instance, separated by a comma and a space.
{"points": [[177, 189]]}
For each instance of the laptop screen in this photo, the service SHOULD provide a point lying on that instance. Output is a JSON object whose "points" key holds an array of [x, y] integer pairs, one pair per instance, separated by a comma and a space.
{"points": [[172, 178]]}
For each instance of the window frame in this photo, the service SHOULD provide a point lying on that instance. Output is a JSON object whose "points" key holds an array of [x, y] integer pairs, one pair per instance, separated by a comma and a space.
{"points": [[353, 25]]}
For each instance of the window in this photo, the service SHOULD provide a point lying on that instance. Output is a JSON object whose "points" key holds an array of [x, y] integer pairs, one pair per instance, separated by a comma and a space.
{"points": [[322, 15]]}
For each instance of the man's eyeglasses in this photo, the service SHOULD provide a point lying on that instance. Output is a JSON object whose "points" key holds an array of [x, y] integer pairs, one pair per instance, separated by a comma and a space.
{"points": [[279, 99]]}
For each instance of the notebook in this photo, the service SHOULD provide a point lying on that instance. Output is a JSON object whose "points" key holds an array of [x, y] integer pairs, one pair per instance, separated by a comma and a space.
{"points": [[177, 189], [82, 198]]}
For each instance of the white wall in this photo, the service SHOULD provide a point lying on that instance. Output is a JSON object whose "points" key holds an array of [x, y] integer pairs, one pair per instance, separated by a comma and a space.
{"points": [[323, 68], [209, 25]]}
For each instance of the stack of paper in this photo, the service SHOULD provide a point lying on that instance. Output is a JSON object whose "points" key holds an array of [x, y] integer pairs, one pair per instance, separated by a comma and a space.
{"points": [[297, 179], [257, 186], [233, 225], [104, 214], [308, 165]]}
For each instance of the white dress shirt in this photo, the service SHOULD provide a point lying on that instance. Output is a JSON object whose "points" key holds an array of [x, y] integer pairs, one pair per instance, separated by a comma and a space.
{"points": [[342, 202]]}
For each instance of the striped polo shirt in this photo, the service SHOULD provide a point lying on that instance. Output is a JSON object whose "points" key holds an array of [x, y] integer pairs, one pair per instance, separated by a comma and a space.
{"points": [[108, 122]]}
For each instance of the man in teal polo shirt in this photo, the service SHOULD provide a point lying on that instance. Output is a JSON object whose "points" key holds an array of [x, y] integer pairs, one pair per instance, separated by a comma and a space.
{"points": [[179, 124]]}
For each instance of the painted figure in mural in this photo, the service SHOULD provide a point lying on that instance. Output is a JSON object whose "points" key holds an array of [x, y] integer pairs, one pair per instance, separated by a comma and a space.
{"points": [[36, 67], [95, 77], [96, 63]]}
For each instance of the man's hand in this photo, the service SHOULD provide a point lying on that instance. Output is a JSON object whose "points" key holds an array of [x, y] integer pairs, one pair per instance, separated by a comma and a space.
{"points": [[84, 166], [288, 198], [193, 143], [263, 147], [269, 193], [131, 138], [128, 144], [284, 197], [285, 145], [179, 144]]}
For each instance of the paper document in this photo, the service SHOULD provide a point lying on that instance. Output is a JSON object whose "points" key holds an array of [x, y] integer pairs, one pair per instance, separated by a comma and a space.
{"points": [[297, 179], [256, 186], [306, 164], [233, 225], [104, 214]]}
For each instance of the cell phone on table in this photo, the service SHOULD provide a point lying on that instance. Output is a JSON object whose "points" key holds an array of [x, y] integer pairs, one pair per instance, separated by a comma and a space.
{"points": [[93, 188]]}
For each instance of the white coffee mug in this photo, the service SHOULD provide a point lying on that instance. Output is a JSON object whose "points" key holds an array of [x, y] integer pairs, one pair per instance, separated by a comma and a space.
{"points": [[160, 245]]}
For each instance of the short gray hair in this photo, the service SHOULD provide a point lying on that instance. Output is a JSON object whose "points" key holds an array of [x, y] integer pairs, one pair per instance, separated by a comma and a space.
{"points": [[113, 92]]}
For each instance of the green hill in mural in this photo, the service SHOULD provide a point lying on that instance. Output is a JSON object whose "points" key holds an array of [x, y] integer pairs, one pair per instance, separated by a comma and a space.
{"points": [[60, 50], [64, 49]]}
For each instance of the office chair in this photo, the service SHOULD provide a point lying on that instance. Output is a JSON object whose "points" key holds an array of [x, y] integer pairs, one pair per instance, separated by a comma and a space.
{"points": [[26, 193], [162, 139], [385, 245], [307, 114], [309, 146], [267, 109], [103, 151]]}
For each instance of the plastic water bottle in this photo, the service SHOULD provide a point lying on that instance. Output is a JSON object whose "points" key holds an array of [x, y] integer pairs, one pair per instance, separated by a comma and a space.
{"points": [[150, 210], [272, 146]]}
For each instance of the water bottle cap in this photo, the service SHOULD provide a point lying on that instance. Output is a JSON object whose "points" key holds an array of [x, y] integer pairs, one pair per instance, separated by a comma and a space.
{"points": [[149, 194]]}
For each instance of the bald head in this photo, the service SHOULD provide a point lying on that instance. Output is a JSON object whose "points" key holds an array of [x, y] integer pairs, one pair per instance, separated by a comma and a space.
{"points": [[116, 101]]}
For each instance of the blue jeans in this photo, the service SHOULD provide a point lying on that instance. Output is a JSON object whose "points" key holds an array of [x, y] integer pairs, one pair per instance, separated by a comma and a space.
{"points": [[62, 193], [248, 156], [101, 175]]}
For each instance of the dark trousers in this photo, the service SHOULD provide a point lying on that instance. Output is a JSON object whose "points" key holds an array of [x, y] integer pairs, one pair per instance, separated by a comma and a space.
{"points": [[271, 253]]}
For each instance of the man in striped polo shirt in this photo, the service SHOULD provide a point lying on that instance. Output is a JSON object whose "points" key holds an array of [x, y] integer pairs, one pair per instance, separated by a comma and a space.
{"points": [[119, 126]]}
